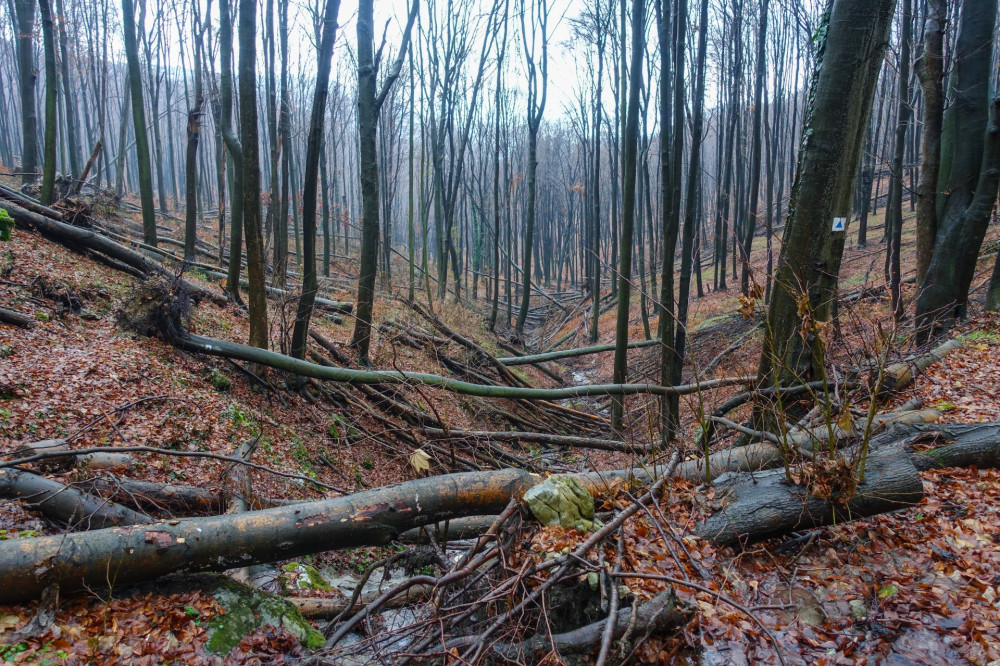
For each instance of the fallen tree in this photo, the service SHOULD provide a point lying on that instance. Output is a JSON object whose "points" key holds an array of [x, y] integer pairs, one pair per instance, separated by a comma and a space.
{"points": [[150, 496], [65, 504], [79, 239], [115, 557], [660, 613], [765, 504], [570, 353], [759, 505], [233, 350], [537, 438], [15, 318]]}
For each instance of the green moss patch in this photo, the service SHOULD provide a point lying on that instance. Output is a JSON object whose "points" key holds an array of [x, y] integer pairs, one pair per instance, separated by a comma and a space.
{"points": [[247, 610]]}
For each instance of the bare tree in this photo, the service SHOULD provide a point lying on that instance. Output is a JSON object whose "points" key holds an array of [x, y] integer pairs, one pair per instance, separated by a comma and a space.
{"points": [[25, 10], [369, 103], [309, 198], [251, 174], [536, 56], [139, 124], [631, 141]]}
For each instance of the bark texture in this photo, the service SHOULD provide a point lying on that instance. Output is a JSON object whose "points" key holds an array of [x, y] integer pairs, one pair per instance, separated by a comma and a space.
{"points": [[852, 40]]}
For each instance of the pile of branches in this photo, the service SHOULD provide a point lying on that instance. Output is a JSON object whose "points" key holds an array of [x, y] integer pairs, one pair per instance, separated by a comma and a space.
{"points": [[494, 601]]}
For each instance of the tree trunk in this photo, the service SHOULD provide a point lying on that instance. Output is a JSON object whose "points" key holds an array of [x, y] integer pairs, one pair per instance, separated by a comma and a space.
{"points": [[193, 135], [855, 36], [233, 149], [629, 150], [47, 195], [280, 231], [691, 212], [251, 173], [369, 103], [300, 332], [367, 121], [70, 108], [930, 69], [139, 125], [970, 167], [25, 10], [672, 36], [538, 75], [755, 150], [894, 211]]}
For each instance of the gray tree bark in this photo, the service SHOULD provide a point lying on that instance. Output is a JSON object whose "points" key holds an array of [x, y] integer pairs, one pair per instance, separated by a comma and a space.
{"points": [[853, 37]]}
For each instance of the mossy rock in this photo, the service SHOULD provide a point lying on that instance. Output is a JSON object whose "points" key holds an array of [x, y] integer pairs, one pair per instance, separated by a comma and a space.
{"points": [[307, 577], [220, 382], [561, 500], [6, 225], [248, 609]]}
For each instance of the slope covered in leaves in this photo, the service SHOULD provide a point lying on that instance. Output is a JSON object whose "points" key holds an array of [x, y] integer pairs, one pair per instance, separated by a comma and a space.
{"points": [[916, 586]]}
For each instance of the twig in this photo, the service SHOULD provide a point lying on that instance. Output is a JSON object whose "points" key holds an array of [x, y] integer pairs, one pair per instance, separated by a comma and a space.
{"points": [[106, 414], [170, 452], [609, 626], [718, 595]]}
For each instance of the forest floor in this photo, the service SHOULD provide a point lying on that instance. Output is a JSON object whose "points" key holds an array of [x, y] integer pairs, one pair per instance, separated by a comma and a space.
{"points": [[915, 586]]}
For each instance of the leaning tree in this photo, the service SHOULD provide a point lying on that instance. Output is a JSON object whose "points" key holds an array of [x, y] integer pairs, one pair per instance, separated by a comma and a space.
{"points": [[853, 38]]}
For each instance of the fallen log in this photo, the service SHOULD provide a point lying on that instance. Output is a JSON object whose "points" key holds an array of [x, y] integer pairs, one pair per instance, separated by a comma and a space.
{"points": [[765, 504], [128, 555], [540, 366], [538, 438], [899, 376], [64, 504], [962, 445], [452, 530], [471, 345], [328, 607], [15, 318], [27, 203], [79, 239], [233, 350], [339, 307], [570, 353], [78, 183], [155, 496], [657, 615], [760, 505], [58, 456]]}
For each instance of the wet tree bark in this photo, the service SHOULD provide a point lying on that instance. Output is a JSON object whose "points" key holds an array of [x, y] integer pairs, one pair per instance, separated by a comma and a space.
{"points": [[51, 87], [251, 173], [854, 37], [139, 125], [930, 70], [970, 171], [25, 10], [313, 147]]}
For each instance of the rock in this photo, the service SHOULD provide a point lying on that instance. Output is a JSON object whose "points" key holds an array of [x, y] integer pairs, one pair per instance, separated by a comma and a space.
{"points": [[248, 609], [306, 577], [561, 500], [88, 315]]}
